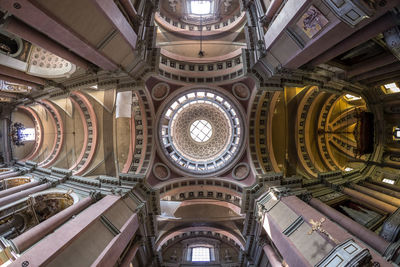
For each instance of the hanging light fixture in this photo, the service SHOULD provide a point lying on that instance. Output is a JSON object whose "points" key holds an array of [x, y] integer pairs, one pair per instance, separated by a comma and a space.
{"points": [[201, 52]]}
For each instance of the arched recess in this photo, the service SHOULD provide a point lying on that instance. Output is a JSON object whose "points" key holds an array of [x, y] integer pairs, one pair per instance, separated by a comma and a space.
{"points": [[138, 156], [261, 145], [205, 229], [89, 119], [38, 132], [15, 181], [3, 170], [202, 189], [342, 132], [223, 250], [26, 213], [58, 137]]}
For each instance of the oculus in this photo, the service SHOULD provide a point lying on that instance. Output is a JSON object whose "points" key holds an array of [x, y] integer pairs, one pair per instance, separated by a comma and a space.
{"points": [[200, 132]]}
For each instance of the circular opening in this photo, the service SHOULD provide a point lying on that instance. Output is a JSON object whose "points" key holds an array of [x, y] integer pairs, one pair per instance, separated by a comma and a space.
{"points": [[201, 131]]}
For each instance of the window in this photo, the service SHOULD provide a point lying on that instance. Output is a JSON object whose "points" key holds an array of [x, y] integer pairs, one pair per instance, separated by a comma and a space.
{"points": [[350, 97], [201, 254], [396, 133], [388, 181], [27, 134], [200, 7], [201, 131], [391, 88]]}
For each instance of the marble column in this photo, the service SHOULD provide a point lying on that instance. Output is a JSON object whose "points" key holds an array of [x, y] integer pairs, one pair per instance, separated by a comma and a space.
{"points": [[33, 235], [18, 28], [43, 252], [272, 257], [17, 196], [375, 194], [272, 9], [382, 189], [364, 234], [386, 185], [370, 200], [19, 188], [9, 175], [110, 255], [130, 255]]}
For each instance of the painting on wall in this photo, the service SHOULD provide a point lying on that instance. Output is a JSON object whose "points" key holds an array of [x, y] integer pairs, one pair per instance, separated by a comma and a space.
{"points": [[312, 22]]}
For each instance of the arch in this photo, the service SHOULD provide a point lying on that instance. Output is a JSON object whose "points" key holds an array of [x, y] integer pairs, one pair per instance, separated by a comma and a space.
{"points": [[177, 232], [38, 132], [59, 137], [89, 115], [16, 181]]}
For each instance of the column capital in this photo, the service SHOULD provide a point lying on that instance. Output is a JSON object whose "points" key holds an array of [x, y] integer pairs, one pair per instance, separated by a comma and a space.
{"points": [[95, 195]]}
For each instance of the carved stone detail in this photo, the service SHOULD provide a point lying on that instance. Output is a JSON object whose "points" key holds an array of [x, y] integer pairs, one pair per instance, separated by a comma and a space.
{"points": [[391, 228]]}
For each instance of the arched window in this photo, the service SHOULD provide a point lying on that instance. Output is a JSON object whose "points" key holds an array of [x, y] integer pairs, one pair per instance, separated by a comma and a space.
{"points": [[391, 88], [396, 133], [202, 254]]}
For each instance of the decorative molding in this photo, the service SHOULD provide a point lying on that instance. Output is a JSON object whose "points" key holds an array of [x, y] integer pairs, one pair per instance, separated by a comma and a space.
{"points": [[391, 227], [348, 253], [349, 12]]}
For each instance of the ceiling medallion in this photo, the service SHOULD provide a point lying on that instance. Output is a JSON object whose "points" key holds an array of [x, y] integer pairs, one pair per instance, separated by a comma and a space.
{"points": [[201, 132]]}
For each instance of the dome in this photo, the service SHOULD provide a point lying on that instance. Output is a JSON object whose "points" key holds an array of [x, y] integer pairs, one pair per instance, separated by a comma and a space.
{"points": [[200, 132]]}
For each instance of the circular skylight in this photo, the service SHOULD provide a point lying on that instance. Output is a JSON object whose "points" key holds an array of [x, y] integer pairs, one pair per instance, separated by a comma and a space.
{"points": [[201, 131]]}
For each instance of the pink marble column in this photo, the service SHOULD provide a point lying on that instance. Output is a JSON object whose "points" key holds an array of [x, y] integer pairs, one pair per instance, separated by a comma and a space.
{"points": [[285, 246], [19, 188], [382, 189], [370, 200], [17, 196], [272, 9], [9, 175], [33, 235], [114, 249], [386, 185], [364, 234], [43, 252], [18, 28], [130, 255], [272, 257], [335, 229], [378, 195]]}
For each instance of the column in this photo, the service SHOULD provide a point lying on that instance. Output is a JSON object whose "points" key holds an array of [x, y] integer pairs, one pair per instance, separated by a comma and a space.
{"points": [[272, 257], [370, 200], [33, 235], [14, 197], [56, 242], [6, 139], [364, 234], [386, 185], [9, 175], [388, 199], [18, 28], [112, 252], [382, 189], [19, 188], [130, 255], [16, 222]]}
